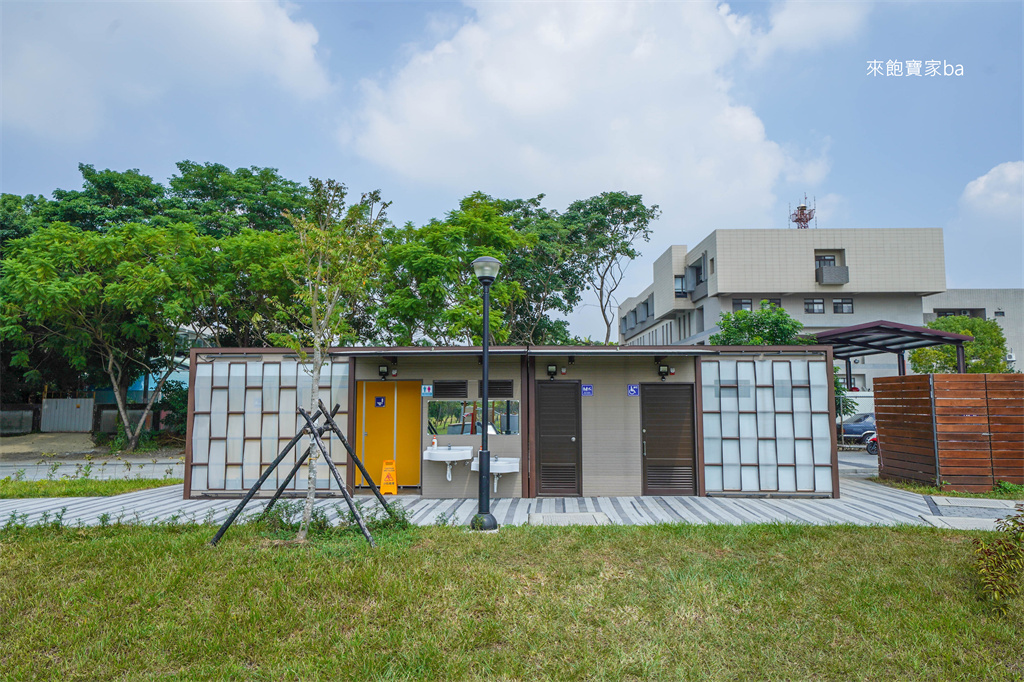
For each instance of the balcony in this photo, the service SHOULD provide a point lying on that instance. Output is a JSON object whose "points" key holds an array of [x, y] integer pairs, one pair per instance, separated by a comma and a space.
{"points": [[832, 274]]}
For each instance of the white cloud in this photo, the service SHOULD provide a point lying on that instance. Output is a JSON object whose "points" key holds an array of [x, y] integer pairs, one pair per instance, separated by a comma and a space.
{"points": [[985, 242], [573, 99], [802, 26], [999, 193], [67, 65]]}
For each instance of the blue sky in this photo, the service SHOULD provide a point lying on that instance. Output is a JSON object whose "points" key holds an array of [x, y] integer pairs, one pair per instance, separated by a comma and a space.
{"points": [[721, 114]]}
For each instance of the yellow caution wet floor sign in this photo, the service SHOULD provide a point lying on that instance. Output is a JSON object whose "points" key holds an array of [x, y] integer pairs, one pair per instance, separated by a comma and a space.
{"points": [[388, 480]]}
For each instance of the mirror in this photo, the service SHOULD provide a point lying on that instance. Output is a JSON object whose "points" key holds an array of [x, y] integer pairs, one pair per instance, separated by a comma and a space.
{"points": [[465, 417]]}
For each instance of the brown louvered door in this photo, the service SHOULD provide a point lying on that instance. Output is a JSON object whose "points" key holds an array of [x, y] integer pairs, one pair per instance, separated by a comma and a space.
{"points": [[667, 445], [559, 438]]}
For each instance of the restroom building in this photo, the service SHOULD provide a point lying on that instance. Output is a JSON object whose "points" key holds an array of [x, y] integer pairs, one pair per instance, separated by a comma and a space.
{"points": [[562, 421]]}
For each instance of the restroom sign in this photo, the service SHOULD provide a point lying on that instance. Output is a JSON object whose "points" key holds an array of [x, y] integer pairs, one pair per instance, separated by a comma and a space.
{"points": [[587, 389], [378, 401], [633, 390], [427, 391]]}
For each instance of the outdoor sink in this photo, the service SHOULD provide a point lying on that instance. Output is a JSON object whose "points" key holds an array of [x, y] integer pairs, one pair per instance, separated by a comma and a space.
{"points": [[499, 466], [449, 455]]}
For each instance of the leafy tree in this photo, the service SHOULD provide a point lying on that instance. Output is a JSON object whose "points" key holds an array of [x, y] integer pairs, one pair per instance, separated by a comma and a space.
{"points": [[116, 300], [607, 227], [550, 268], [246, 280], [986, 353], [336, 254], [429, 293], [16, 219], [222, 202], [107, 199], [768, 326]]}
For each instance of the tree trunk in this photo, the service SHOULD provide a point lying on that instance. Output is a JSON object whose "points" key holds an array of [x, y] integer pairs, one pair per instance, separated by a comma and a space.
{"points": [[314, 451]]}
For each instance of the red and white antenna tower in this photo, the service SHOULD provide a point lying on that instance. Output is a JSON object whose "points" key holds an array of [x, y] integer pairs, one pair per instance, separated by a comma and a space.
{"points": [[803, 215]]}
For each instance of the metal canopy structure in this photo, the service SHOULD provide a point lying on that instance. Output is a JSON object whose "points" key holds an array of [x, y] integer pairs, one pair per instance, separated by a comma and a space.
{"points": [[873, 338]]}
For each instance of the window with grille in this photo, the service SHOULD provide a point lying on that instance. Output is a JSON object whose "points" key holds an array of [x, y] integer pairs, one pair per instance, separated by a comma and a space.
{"points": [[451, 389], [814, 305], [842, 306]]}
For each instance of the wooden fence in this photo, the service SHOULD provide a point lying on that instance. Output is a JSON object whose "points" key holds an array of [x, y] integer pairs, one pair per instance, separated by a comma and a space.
{"points": [[961, 431]]}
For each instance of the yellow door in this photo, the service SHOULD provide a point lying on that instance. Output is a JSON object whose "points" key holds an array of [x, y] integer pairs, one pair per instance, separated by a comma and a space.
{"points": [[389, 428]]}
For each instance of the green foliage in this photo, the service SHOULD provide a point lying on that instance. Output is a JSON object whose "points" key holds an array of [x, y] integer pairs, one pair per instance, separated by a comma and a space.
{"points": [[1000, 563], [107, 199], [174, 404], [222, 202], [606, 227], [1009, 488], [114, 300], [985, 354], [770, 325], [429, 292], [845, 405]]}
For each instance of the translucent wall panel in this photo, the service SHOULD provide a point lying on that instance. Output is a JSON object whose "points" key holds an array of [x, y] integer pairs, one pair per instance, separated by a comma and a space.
{"points": [[245, 415], [709, 386], [765, 427], [201, 439], [783, 387], [745, 386], [204, 383]]}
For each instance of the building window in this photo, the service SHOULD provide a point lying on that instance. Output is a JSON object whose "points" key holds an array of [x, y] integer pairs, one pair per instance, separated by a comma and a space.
{"points": [[945, 313], [1000, 313], [740, 304], [814, 305], [711, 266], [842, 306], [824, 262], [680, 286], [777, 302]]}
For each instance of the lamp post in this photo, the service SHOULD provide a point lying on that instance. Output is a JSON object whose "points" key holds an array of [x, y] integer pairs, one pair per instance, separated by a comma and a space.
{"points": [[486, 269]]}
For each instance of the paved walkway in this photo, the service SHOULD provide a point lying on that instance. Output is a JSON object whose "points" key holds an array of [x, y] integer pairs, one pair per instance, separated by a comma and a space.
{"points": [[862, 503]]}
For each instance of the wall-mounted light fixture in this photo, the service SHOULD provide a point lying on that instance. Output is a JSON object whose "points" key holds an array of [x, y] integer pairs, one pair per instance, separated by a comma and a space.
{"points": [[383, 371], [663, 371], [552, 371]]}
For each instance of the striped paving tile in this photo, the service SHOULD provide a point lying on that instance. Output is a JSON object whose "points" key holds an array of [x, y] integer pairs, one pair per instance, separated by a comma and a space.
{"points": [[862, 503]]}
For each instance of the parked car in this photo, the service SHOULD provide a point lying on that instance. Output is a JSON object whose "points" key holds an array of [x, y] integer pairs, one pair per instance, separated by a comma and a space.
{"points": [[857, 428]]}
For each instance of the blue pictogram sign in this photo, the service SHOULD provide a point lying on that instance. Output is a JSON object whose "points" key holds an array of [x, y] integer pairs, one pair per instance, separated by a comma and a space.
{"points": [[378, 401], [587, 389], [633, 390]]}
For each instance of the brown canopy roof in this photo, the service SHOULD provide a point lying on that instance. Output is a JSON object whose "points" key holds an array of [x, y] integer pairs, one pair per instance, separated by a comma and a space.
{"points": [[884, 337]]}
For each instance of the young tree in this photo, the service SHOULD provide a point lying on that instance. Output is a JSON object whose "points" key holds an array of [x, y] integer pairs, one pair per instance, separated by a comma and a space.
{"points": [[336, 253], [607, 227], [116, 300], [770, 325], [987, 353]]}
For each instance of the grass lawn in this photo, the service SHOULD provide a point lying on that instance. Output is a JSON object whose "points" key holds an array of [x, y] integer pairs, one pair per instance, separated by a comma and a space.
{"points": [[1007, 491], [79, 487], [664, 602]]}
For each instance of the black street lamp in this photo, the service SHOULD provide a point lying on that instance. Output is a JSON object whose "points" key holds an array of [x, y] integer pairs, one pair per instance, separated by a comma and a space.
{"points": [[486, 269]]}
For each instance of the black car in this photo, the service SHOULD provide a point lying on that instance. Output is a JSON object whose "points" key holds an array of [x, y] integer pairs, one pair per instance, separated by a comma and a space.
{"points": [[857, 428]]}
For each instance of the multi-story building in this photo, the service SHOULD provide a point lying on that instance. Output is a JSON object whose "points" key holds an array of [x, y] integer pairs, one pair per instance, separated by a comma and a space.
{"points": [[823, 278], [1005, 306]]}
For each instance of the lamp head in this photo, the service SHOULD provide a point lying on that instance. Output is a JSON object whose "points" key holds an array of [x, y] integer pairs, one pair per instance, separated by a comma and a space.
{"points": [[552, 371], [663, 371], [383, 370], [486, 269]]}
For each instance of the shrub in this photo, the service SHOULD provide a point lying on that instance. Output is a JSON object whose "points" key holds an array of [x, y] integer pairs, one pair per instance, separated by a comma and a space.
{"points": [[1001, 563]]}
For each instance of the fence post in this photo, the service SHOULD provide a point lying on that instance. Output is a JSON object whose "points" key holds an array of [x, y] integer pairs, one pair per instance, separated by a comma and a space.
{"points": [[935, 431]]}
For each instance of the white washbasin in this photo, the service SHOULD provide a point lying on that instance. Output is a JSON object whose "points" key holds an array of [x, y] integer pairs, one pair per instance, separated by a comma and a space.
{"points": [[443, 453], [501, 465]]}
